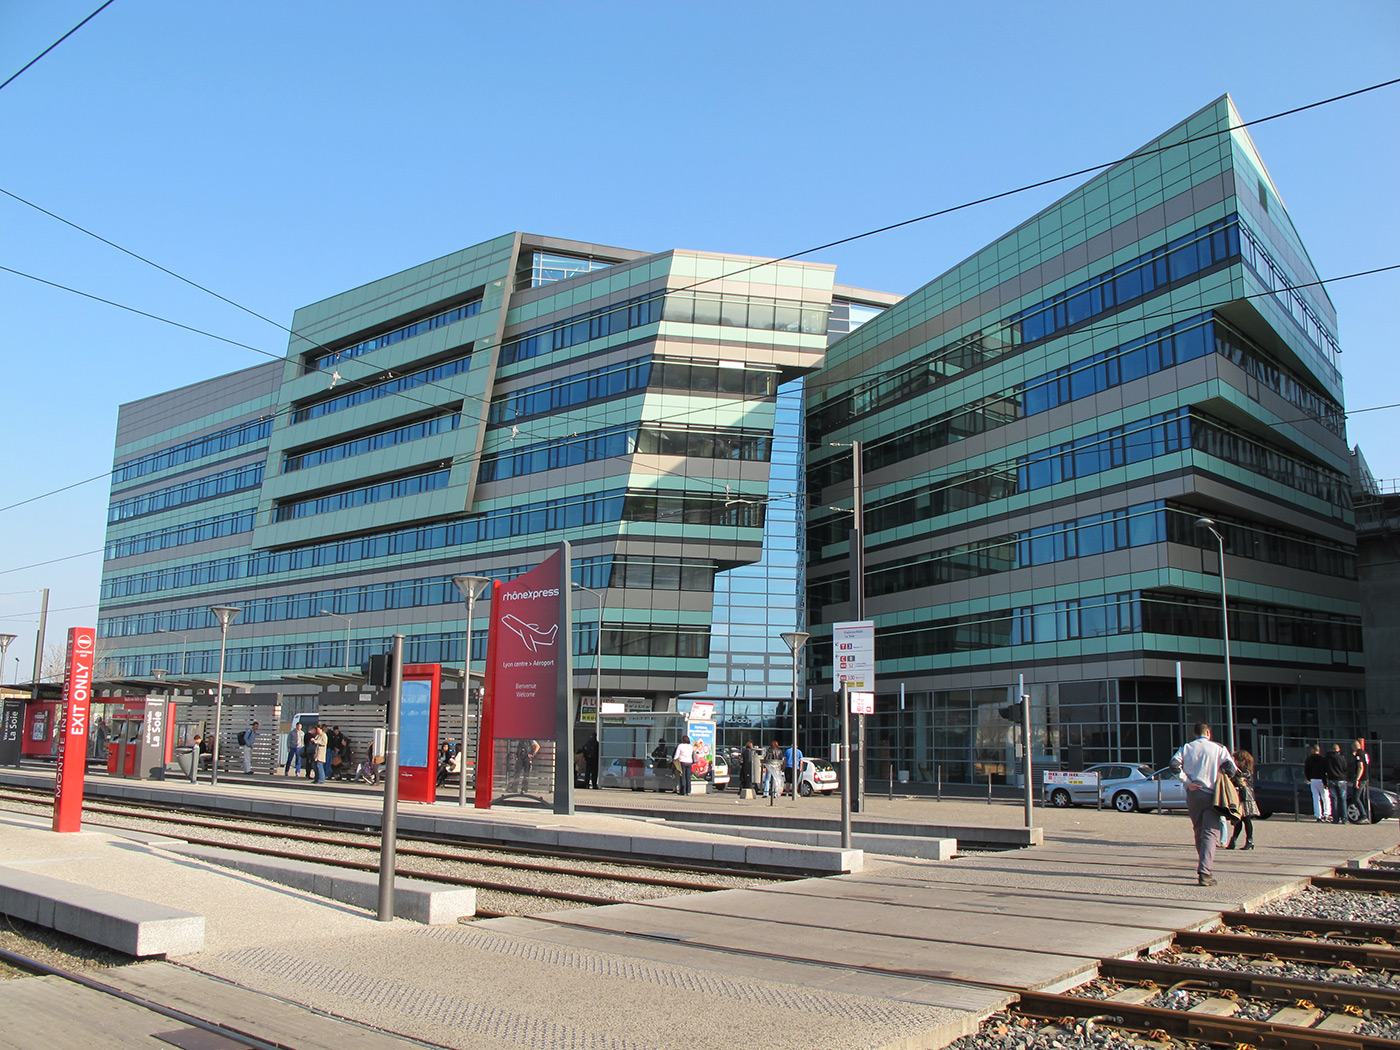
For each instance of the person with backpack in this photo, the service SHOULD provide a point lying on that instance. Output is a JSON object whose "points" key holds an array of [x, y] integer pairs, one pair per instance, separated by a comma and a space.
{"points": [[246, 740]]}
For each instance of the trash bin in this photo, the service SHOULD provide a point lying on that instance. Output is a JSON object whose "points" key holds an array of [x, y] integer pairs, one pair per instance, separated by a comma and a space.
{"points": [[184, 756]]}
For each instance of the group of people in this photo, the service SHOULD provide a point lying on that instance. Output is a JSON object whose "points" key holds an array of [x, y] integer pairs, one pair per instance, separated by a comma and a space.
{"points": [[770, 770], [1205, 765], [1336, 779], [322, 753]]}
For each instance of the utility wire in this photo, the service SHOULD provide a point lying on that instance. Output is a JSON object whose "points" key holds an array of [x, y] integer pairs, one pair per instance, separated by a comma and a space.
{"points": [[660, 294], [55, 44]]}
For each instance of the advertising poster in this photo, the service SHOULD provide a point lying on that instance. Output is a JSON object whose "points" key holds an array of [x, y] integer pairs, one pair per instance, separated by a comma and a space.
{"points": [[702, 739], [527, 619], [11, 729], [418, 732]]}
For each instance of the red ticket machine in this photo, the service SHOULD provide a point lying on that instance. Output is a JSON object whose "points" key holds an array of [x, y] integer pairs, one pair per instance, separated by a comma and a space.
{"points": [[418, 732]]}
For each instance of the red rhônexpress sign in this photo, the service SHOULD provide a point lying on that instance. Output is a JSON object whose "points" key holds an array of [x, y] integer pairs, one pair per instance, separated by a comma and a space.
{"points": [[72, 754]]}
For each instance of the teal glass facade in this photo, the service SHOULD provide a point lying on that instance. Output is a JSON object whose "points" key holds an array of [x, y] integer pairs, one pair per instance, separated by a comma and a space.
{"points": [[1041, 428]]}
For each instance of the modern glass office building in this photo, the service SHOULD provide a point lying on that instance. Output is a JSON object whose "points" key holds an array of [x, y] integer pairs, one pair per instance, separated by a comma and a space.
{"points": [[1042, 427], [463, 417]]}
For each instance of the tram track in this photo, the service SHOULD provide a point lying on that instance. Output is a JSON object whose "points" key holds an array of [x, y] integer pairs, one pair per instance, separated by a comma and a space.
{"points": [[1238, 985], [450, 861]]}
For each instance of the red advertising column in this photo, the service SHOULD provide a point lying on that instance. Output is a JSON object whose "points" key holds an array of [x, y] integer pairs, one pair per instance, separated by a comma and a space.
{"points": [[72, 752]]}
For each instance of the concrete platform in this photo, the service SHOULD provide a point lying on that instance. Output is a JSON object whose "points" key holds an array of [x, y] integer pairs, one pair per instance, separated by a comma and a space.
{"points": [[431, 903], [905, 954]]}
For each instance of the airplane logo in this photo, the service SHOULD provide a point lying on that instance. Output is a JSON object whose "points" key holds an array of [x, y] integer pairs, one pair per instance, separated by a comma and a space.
{"points": [[530, 633]]}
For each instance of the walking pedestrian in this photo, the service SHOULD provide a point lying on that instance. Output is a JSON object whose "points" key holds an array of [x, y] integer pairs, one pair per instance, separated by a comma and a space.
{"points": [[792, 767], [1249, 805], [1201, 764], [773, 771], [1315, 770], [525, 753], [683, 758], [296, 737], [749, 768], [1336, 773], [1361, 780]]}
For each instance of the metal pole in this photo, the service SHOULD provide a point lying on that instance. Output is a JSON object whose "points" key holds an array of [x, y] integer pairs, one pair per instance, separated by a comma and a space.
{"points": [[218, 704], [1209, 525], [469, 587], [39, 646], [845, 766], [795, 641], [389, 823], [1026, 748]]}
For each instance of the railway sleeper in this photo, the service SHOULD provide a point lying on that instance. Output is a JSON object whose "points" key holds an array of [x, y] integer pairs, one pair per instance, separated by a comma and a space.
{"points": [[1336, 997]]}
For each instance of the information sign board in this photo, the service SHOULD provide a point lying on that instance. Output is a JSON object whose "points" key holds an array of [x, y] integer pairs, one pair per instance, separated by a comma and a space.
{"points": [[853, 654]]}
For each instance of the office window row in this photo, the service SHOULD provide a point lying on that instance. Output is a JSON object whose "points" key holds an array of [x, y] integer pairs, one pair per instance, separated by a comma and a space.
{"points": [[384, 388], [1272, 275], [1126, 612], [539, 267], [692, 510], [371, 442], [180, 535], [1138, 526], [1144, 439], [210, 445], [239, 479], [362, 495], [595, 324], [316, 362], [610, 442], [1184, 257]]}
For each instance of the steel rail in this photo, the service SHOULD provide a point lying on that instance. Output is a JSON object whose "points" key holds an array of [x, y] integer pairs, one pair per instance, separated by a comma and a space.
{"points": [[427, 876], [1267, 1035], [1355, 883], [1329, 994], [1307, 926], [1364, 955]]}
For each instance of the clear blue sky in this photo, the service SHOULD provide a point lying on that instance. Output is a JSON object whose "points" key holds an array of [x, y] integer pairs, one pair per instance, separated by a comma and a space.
{"points": [[282, 152]]}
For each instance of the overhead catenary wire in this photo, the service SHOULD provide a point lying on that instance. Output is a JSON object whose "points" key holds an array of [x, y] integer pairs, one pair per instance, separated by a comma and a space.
{"points": [[700, 283], [661, 293], [15, 75]]}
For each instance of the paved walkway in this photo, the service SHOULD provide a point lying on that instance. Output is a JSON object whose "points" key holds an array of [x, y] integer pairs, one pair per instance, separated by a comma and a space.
{"points": [[904, 954]]}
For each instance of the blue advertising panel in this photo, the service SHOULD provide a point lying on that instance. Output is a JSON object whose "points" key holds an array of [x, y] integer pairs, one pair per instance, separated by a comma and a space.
{"points": [[415, 721]]}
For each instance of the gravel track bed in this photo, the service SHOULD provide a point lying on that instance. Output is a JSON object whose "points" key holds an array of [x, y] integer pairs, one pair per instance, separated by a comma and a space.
{"points": [[1339, 906], [1017, 1033], [1381, 1025], [55, 949], [474, 863]]}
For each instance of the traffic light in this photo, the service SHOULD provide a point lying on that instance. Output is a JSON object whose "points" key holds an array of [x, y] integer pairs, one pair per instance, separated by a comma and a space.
{"points": [[1011, 712], [379, 670]]}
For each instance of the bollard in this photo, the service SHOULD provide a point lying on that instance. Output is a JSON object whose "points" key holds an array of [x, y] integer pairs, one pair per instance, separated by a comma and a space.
{"points": [[1295, 801], [940, 783], [891, 781], [989, 789]]}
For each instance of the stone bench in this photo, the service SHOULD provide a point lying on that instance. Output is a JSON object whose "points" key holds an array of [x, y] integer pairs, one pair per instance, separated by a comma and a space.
{"points": [[103, 917]]}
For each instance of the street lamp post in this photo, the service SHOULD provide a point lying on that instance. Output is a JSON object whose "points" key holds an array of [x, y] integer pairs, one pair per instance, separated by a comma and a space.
{"points": [[5, 640], [597, 669], [1209, 525], [184, 645], [795, 641], [348, 621], [469, 587], [225, 614]]}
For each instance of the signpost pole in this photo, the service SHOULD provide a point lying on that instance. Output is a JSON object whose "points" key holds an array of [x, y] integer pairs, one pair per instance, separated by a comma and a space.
{"points": [[845, 766], [389, 823]]}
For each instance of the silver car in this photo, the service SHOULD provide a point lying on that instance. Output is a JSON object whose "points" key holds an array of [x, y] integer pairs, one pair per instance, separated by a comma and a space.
{"points": [[1110, 774], [1163, 789]]}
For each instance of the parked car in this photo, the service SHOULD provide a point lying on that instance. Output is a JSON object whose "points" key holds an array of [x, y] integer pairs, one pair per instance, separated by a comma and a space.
{"points": [[817, 775], [639, 774], [1163, 789], [1110, 775], [1278, 785], [718, 776]]}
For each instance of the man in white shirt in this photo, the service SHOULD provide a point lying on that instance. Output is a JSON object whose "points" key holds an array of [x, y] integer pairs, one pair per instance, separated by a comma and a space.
{"points": [[1201, 763]]}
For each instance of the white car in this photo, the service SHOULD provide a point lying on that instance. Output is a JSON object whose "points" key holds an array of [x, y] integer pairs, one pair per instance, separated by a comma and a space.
{"points": [[1111, 774], [817, 775]]}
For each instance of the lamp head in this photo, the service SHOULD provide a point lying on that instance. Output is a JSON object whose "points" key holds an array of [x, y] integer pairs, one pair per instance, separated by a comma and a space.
{"points": [[225, 614], [795, 639], [1205, 523], [470, 586]]}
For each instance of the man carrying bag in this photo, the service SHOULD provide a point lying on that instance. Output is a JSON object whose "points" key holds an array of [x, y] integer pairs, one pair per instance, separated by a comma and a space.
{"points": [[1203, 764]]}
